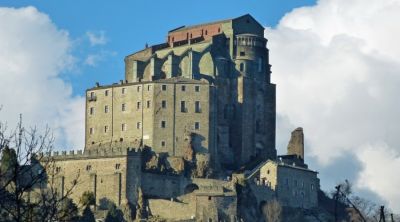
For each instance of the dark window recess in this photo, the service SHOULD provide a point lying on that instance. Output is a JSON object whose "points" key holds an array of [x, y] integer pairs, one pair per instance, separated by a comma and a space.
{"points": [[183, 88], [183, 107], [163, 124], [197, 107], [197, 88], [163, 104], [241, 67], [242, 53], [196, 125], [164, 87]]}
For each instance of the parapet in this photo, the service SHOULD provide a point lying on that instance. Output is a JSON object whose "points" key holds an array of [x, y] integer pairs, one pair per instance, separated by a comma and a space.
{"points": [[94, 153]]}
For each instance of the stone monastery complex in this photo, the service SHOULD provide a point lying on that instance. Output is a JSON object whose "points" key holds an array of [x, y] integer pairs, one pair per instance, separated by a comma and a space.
{"points": [[190, 132]]}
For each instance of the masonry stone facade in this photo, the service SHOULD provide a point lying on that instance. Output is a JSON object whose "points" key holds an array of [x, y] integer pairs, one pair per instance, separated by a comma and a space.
{"points": [[189, 112]]}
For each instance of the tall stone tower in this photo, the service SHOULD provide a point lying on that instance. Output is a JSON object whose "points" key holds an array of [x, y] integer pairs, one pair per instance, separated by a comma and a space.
{"points": [[208, 85]]}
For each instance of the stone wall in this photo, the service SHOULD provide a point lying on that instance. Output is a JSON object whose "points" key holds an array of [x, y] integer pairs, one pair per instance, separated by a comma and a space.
{"points": [[114, 175]]}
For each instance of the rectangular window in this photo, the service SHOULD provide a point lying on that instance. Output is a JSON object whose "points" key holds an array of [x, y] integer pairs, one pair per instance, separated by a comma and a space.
{"points": [[106, 93], [123, 107], [138, 88], [162, 144], [91, 131], [117, 166], [138, 125], [148, 103], [196, 125], [197, 88], [183, 88], [148, 87], [92, 95], [163, 104], [91, 110], [105, 129], [123, 90], [123, 127], [164, 87], [242, 53], [105, 109], [197, 107], [138, 105], [163, 124], [260, 64], [183, 107]]}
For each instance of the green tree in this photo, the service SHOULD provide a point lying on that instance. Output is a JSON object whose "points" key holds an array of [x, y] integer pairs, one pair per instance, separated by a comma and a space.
{"points": [[114, 214], [87, 215], [87, 199]]}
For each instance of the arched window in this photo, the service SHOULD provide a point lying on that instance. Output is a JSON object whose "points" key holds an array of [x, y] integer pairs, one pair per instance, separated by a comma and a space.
{"points": [[241, 67]]}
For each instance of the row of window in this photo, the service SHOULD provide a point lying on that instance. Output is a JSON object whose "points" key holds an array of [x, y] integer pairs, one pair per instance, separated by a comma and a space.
{"points": [[124, 126], [197, 106], [163, 88]]}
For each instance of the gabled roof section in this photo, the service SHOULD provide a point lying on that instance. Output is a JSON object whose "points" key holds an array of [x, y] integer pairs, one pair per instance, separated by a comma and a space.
{"points": [[248, 16], [198, 25]]}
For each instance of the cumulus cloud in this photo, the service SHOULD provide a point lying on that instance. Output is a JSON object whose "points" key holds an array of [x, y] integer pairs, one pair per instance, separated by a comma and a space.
{"points": [[337, 69], [96, 38], [33, 54]]}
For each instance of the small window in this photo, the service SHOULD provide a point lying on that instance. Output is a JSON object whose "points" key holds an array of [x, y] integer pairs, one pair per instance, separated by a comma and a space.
{"points": [[88, 167], [138, 125], [148, 87], [138, 105], [242, 53], [163, 124], [197, 88], [267, 171], [219, 30], [163, 104], [197, 107], [206, 32], [91, 131], [92, 95], [106, 93], [123, 107], [123, 127], [196, 125], [91, 110], [209, 198], [148, 103], [105, 129], [117, 166], [241, 67], [164, 87], [183, 88], [138, 88], [105, 109], [123, 90], [163, 144], [183, 107]]}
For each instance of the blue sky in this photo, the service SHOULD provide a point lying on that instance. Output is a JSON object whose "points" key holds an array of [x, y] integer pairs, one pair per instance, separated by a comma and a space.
{"points": [[129, 25]]}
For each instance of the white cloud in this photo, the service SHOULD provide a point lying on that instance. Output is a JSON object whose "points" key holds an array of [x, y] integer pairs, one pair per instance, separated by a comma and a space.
{"points": [[96, 38], [94, 59], [33, 54], [337, 69]]}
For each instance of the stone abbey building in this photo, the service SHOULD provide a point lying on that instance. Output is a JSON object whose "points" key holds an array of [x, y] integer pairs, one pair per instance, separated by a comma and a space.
{"points": [[193, 119]]}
